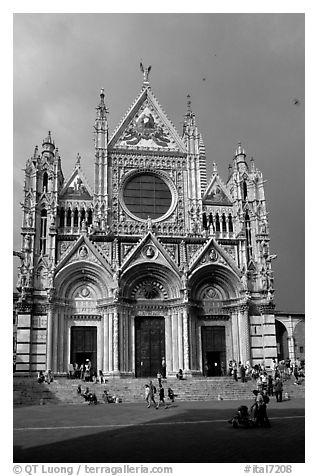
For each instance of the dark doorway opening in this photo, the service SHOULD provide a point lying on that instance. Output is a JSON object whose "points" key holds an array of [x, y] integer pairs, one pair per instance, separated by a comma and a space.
{"points": [[213, 350], [149, 345], [281, 341], [213, 364], [84, 345]]}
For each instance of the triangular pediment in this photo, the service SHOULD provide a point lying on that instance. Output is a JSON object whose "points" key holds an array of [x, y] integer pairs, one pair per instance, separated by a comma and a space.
{"points": [[216, 193], [77, 186], [146, 126], [83, 250], [212, 253], [149, 250]]}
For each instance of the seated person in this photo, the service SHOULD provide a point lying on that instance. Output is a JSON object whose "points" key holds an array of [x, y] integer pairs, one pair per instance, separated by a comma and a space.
{"points": [[180, 375], [41, 377]]}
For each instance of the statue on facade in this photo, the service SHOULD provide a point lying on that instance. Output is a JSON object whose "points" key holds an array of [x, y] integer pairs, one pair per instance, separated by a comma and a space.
{"points": [[262, 227], [244, 279], [145, 71], [29, 219], [83, 226], [27, 243], [149, 224]]}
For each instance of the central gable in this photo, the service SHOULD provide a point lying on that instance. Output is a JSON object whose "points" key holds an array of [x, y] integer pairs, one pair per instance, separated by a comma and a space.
{"points": [[146, 126]]}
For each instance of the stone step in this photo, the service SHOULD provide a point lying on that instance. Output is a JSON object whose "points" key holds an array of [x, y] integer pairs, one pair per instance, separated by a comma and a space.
{"points": [[27, 391]]}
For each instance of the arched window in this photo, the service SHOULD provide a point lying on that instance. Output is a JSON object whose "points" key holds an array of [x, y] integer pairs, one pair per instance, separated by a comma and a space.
{"points": [[89, 217], [244, 190], [82, 216], [43, 232], [76, 217], [217, 222], [62, 217], [204, 221], [45, 181], [230, 223], [223, 223], [69, 217]]}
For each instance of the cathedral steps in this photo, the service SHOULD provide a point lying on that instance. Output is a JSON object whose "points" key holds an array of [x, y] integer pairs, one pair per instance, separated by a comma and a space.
{"points": [[28, 392]]}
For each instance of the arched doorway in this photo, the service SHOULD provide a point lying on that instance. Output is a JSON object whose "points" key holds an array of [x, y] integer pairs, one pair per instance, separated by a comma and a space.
{"points": [[149, 289], [281, 341], [212, 287], [79, 319]]}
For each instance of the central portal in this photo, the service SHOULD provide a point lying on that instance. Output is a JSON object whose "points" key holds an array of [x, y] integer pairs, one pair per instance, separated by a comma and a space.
{"points": [[213, 350], [83, 345], [149, 345]]}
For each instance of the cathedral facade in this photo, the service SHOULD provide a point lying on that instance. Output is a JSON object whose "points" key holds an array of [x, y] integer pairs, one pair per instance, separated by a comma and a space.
{"points": [[154, 262]]}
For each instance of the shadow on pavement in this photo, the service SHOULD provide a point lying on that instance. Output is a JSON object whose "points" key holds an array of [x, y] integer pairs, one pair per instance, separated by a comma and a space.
{"points": [[191, 435]]}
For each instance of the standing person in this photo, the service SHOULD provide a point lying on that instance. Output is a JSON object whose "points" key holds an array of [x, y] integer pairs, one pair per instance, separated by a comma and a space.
{"points": [[164, 368], [151, 396], [296, 375], [248, 369], [234, 366], [162, 396], [243, 370], [81, 371], [239, 375], [278, 389], [159, 377], [87, 370], [147, 390], [273, 368], [270, 386], [223, 369], [230, 371]]}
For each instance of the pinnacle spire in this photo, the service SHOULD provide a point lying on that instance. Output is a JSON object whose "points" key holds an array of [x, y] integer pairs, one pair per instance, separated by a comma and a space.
{"points": [[101, 108], [240, 150]]}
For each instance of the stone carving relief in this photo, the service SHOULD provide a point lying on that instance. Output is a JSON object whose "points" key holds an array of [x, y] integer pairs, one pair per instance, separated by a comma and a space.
{"points": [[149, 252], [145, 127]]}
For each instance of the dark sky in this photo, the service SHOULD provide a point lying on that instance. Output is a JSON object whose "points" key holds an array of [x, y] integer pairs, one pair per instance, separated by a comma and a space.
{"points": [[243, 72]]}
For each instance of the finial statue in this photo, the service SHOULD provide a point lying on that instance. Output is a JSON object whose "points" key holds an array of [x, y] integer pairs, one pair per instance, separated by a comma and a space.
{"points": [[146, 72]]}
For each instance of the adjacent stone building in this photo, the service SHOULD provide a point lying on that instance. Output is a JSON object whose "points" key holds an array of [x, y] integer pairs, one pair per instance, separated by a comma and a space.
{"points": [[152, 263]]}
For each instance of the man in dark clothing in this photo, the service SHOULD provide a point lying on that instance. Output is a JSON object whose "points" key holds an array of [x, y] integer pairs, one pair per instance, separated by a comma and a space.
{"points": [[278, 389], [243, 378]]}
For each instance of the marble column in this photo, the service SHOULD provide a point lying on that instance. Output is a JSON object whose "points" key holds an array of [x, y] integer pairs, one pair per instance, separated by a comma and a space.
{"points": [[186, 340], [55, 341], [110, 342], [49, 337], [180, 340], [174, 325], [244, 334], [61, 365], [100, 346], [132, 342], [116, 341], [106, 343], [235, 337], [168, 339]]}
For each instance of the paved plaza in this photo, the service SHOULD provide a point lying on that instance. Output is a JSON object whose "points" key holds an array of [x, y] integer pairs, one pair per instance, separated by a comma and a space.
{"points": [[185, 432]]}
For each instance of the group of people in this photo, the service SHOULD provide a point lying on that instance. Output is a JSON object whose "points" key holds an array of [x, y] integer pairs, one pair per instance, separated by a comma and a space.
{"points": [[151, 390], [264, 376], [45, 377], [91, 397], [86, 372]]}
